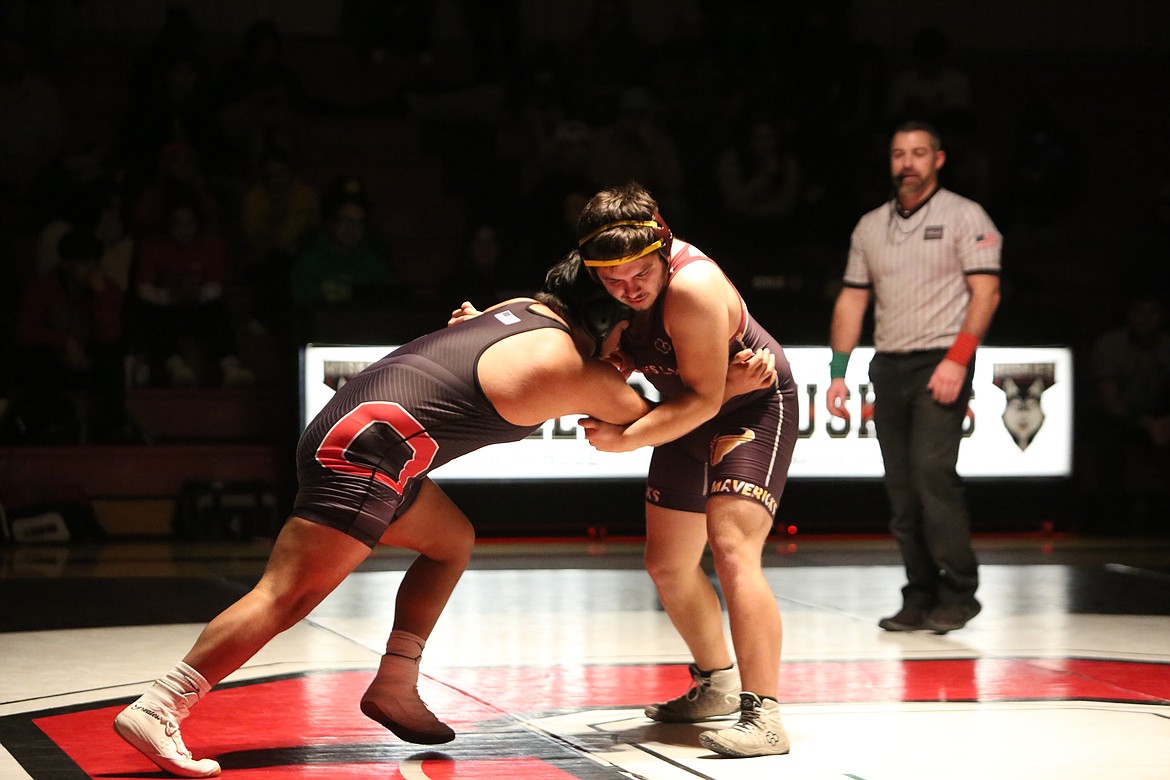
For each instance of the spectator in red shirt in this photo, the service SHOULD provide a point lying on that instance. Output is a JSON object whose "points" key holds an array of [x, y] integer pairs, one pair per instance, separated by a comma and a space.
{"points": [[178, 176], [183, 322], [70, 352]]}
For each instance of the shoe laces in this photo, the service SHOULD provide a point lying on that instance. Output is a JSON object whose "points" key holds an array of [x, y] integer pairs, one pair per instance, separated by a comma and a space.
{"points": [[748, 720], [700, 686], [421, 700], [172, 731]]}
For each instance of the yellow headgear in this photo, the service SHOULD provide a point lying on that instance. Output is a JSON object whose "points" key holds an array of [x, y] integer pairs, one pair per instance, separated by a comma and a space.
{"points": [[660, 230]]}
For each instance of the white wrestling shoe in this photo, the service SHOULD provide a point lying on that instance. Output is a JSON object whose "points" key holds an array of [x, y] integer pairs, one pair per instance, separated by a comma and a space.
{"points": [[154, 733], [710, 696], [758, 733]]}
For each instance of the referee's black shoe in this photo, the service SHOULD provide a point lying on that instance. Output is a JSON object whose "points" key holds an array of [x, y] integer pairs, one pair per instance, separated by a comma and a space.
{"points": [[951, 617], [907, 619]]}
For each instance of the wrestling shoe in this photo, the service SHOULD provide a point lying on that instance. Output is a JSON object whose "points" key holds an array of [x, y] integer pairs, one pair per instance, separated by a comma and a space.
{"points": [[407, 716], [712, 695], [758, 733], [392, 698], [154, 732]]}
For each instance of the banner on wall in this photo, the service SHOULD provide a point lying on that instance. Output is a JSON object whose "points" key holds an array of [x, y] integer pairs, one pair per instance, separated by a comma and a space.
{"points": [[1019, 421]]}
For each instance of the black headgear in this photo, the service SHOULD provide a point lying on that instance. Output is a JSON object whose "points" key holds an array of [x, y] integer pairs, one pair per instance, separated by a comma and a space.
{"points": [[600, 313], [587, 302]]}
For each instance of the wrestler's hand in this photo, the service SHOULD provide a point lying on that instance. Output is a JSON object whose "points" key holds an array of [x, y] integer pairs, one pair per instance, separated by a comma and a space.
{"points": [[750, 370], [835, 398], [605, 437], [466, 311], [946, 381], [621, 361]]}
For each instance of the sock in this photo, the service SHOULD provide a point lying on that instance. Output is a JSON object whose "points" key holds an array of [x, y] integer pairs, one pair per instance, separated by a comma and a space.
{"points": [[398, 668], [709, 672], [179, 690], [405, 644]]}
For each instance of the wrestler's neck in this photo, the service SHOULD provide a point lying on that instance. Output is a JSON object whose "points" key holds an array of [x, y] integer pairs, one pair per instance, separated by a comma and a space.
{"points": [[583, 341]]}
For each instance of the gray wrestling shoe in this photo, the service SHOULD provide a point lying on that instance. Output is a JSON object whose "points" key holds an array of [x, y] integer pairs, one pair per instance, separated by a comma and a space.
{"points": [[711, 696], [406, 715], [758, 733]]}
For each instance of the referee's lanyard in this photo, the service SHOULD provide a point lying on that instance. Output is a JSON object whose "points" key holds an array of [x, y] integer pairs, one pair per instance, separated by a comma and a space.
{"points": [[900, 228]]}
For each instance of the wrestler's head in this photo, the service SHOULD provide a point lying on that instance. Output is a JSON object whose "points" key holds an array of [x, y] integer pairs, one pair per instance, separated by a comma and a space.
{"points": [[625, 243], [570, 292]]}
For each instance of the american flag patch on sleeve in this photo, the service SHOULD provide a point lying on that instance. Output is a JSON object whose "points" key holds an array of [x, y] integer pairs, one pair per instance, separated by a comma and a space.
{"points": [[987, 240]]}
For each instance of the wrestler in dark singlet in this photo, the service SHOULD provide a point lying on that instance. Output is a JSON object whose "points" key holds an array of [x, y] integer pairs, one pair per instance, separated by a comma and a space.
{"points": [[361, 459]]}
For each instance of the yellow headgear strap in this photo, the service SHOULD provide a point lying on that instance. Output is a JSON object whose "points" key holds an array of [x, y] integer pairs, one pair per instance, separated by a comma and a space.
{"points": [[656, 245], [622, 260]]}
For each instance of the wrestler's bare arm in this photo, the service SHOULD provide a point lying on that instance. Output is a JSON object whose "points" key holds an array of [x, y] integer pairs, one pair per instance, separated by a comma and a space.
{"points": [[697, 319], [599, 390], [535, 376]]}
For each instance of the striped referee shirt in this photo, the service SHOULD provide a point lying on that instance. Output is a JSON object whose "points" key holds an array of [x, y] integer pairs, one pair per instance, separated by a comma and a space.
{"points": [[916, 267]]}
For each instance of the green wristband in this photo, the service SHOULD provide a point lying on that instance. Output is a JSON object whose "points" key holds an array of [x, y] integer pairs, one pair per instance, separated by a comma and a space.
{"points": [[838, 365]]}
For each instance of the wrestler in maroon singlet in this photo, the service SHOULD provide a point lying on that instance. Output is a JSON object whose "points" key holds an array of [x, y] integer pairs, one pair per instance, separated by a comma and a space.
{"points": [[747, 448]]}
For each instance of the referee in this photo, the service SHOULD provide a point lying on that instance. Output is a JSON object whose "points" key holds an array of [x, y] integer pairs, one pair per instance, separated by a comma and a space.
{"points": [[931, 260]]}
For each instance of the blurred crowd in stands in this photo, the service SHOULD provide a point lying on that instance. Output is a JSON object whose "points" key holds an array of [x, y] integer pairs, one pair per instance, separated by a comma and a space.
{"points": [[156, 254]]}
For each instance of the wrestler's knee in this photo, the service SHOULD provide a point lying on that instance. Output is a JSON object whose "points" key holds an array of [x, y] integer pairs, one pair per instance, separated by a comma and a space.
{"points": [[736, 531], [451, 541], [458, 541], [663, 570], [288, 602]]}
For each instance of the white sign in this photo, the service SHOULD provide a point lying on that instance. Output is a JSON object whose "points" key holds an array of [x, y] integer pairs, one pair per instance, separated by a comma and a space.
{"points": [[1019, 422]]}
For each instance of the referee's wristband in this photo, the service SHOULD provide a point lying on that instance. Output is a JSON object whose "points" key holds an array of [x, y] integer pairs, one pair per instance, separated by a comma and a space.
{"points": [[963, 349], [838, 365]]}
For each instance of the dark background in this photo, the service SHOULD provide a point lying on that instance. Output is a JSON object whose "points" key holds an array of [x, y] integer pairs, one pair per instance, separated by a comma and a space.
{"points": [[442, 108]]}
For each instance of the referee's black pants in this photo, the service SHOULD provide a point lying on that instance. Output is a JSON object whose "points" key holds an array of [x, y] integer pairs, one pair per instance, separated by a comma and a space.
{"points": [[919, 440]]}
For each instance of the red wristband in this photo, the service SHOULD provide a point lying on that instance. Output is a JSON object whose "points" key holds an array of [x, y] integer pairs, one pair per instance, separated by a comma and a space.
{"points": [[963, 349]]}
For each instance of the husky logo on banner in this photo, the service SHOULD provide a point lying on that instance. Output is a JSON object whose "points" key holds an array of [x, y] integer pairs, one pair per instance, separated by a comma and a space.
{"points": [[1023, 384]]}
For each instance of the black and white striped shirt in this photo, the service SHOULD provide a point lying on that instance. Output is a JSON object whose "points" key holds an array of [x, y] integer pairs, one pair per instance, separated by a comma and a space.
{"points": [[916, 266]]}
